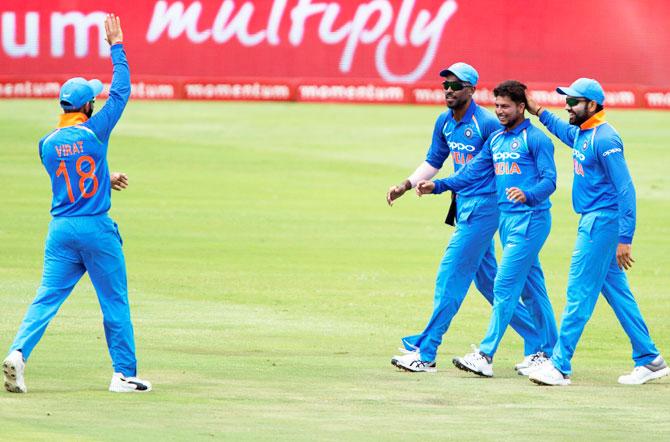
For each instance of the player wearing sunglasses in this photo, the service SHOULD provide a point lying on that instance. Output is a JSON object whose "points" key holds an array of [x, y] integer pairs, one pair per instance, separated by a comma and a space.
{"points": [[604, 196], [461, 132]]}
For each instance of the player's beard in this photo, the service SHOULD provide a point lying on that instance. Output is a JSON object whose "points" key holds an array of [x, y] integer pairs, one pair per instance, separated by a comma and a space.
{"points": [[458, 104], [577, 118], [88, 112], [511, 123]]}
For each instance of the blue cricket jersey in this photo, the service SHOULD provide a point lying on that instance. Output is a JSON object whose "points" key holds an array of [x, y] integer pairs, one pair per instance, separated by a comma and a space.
{"points": [[75, 154], [522, 157], [601, 177], [464, 140]]}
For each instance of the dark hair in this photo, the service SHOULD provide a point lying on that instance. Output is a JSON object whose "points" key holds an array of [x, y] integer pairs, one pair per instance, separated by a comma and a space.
{"points": [[599, 107], [71, 111], [515, 90]]}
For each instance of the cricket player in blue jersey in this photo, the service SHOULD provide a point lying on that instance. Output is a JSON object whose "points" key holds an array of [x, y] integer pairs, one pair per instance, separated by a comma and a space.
{"points": [[461, 131], [604, 196], [82, 237], [518, 162]]}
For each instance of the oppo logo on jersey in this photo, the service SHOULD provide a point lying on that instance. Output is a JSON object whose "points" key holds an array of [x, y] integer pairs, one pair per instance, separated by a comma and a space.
{"points": [[461, 147], [503, 167], [462, 153], [611, 151], [501, 156], [577, 154]]}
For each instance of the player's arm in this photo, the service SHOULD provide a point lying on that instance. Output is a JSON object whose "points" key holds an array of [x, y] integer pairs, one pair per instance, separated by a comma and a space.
{"points": [[104, 121], [561, 129], [119, 180], [39, 149], [610, 155], [425, 171], [435, 158], [480, 168], [543, 151]]}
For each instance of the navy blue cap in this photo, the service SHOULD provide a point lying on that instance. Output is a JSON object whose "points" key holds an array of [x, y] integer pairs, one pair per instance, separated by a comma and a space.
{"points": [[78, 91], [584, 88], [463, 72]]}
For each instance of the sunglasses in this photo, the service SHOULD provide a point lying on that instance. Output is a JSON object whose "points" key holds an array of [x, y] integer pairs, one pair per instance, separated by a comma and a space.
{"points": [[454, 85], [572, 102]]}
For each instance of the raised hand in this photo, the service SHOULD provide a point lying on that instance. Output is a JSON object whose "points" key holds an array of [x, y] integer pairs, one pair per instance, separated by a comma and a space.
{"points": [[113, 29]]}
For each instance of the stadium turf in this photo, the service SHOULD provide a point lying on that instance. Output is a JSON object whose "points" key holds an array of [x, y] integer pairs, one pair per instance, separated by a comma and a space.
{"points": [[270, 285]]}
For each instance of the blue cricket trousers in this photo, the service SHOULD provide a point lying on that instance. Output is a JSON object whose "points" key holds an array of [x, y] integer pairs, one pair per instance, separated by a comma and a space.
{"points": [[76, 245], [520, 275], [469, 255], [594, 269]]}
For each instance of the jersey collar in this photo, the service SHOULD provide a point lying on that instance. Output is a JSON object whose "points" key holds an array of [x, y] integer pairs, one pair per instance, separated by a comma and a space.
{"points": [[72, 119], [517, 130], [595, 120]]}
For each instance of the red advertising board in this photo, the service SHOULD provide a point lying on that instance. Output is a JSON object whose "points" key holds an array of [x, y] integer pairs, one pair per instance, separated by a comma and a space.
{"points": [[338, 50]]}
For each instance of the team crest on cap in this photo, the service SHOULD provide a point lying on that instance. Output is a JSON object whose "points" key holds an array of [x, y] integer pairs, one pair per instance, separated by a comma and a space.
{"points": [[585, 145], [515, 144], [468, 133]]}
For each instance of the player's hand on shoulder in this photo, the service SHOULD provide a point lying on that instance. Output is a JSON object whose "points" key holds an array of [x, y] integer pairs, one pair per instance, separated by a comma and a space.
{"points": [[533, 106], [113, 29], [424, 186], [119, 180]]}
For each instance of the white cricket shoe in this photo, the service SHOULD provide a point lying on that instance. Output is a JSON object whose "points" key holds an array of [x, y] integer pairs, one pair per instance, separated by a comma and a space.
{"points": [[13, 367], [645, 373], [411, 361], [547, 374], [475, 362], [405, 351], [122, 384], [536, 362], [525, 363]]}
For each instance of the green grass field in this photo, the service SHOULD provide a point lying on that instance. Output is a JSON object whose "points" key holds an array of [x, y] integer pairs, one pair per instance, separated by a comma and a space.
{"points": [[270, 284]]}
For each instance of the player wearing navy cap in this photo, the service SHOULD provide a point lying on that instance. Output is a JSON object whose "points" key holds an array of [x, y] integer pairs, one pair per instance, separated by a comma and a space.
{"points": [[518, 162], [461, 131], [604, 196], [82, 237]]}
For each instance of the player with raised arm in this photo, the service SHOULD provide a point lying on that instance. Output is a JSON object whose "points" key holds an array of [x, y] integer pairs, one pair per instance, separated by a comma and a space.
{"points": [[519, 162], [461, 131], [82, 237], [604, 196]]}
